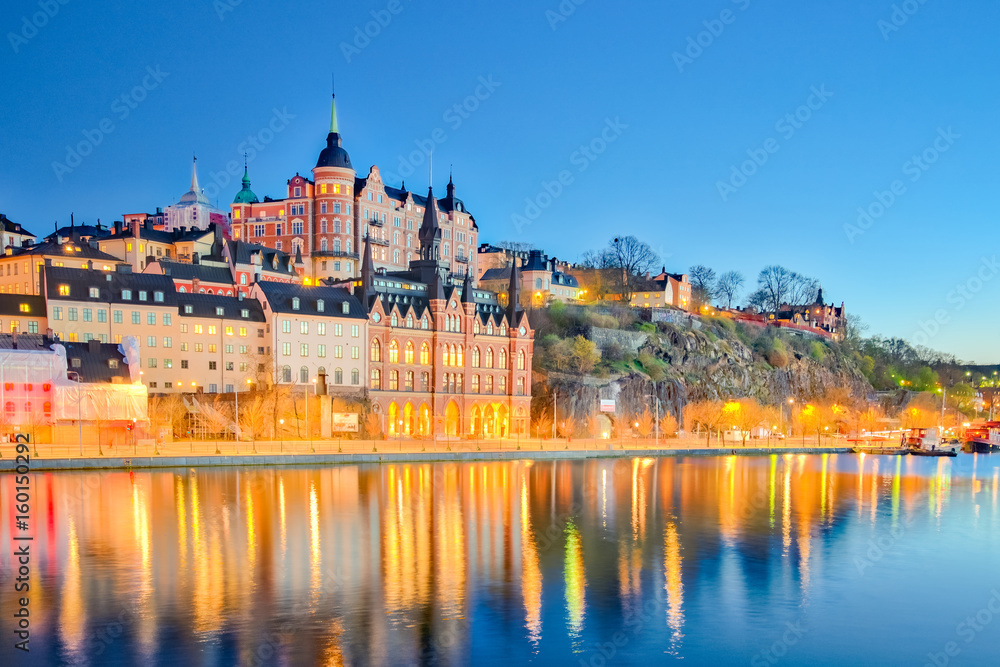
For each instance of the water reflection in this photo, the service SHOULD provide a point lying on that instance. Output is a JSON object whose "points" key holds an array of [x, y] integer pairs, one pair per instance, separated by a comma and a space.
{"points": [[446, 563]]}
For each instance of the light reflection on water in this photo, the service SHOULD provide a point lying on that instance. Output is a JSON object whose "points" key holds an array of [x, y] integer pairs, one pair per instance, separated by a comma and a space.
{"points": [[602, 561]]}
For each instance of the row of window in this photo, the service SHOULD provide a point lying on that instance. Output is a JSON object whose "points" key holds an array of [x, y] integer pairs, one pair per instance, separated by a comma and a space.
{"points": [[453, 355], [451, 383], [338, 329], [15, 325], [338, 351]]}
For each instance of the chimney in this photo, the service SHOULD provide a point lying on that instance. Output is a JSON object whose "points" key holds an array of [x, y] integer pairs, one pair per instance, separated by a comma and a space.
{"points": [[194, 258], [13, 335], [194, 285]]}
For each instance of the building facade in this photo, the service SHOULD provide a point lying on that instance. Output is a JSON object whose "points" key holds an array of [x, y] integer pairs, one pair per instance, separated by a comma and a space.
{"points": [[327, 218]]}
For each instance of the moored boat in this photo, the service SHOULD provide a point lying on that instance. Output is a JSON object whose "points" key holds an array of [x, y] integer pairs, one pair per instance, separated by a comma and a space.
{"points": [[878, 446], [927, 442], [983, 438]]}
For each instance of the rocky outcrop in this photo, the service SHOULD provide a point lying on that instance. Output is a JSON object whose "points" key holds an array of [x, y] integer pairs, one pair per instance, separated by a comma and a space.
{"points": [[700, 365]]}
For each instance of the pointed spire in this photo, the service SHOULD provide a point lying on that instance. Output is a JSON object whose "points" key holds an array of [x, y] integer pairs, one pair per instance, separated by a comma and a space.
{"points": [[430, 231], [467, 288], [514, 294], [367, 270], [451, 184], [333, 116]]}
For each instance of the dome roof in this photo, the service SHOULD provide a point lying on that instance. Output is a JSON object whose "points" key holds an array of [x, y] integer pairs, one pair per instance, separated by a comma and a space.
{"points": [[246, 195], [334, 154]]}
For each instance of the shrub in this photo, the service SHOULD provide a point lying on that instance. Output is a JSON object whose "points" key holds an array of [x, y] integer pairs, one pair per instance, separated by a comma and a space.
{"points": [[647, 327], [613, 352], [817, 351]]}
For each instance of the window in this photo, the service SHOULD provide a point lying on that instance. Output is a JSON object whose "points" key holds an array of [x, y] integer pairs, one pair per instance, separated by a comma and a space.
{"points": [[142, 295], [376, 379], [393, 353], [151, 319], [376, 350], [286, 373], [304, 375], [57, 313], [488, 385], [475, 357], [321, 351], [136, 317], [338, 351], [95, 292], [126, 295], [63, 291], [303, 349], [503, 358], [475, 384], [212, 365], [520, 360], [355, 376], [102, 315], [168, 363], [168, 341], [229, 331], [152, 363], [243, 332], [355, 331], [72, 314], [503, 384], [303, 328], [408, 354], [338, 376], [198, 329], [423, 322], [425, 354], [150, 341], [158, 297], [219, 311], [184, 328], [393, 380], [167, 319], [489, 357], [520, 386], [321, 328], [286, 349], [188, 310], [409, 381], [212, 330], [355, 352], [295, 303], [286, 326]]}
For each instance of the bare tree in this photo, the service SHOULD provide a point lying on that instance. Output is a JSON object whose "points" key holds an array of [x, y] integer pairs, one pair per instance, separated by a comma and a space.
{"points": [[774, 285], [703, 287], [729, 286], [804, 290], [854, 329], [629, 258]]}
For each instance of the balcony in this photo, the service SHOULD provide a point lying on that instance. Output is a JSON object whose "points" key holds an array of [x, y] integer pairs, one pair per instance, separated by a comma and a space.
{"points": [[375, 223], [461, 258], [376, 240], [338, 254]]}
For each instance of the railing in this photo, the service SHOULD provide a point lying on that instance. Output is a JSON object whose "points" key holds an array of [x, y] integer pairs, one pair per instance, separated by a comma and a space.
{"points": [[461, 258], [375, 222], [376, 240], [336, 253]]}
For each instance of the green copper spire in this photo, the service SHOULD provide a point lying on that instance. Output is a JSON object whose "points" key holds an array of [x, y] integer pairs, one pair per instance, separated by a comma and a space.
{"points": [[333, 117]]}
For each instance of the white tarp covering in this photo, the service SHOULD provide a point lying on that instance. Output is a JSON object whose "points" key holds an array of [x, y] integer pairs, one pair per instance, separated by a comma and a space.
{"points": [[70, 400]]}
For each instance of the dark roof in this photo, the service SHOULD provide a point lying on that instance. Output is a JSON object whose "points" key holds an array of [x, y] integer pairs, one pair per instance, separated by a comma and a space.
{"points": [[12, 227], [10, 305], [94, 362], [279, 297], [503, 273], [217, 275], [68, 249], [26, 342], [334, 155], [242, 251], [77, 231], [110, 286], [159, 236], [207, 305]]}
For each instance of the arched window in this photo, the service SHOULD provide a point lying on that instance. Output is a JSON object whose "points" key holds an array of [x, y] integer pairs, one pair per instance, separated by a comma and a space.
{"points": [[393, 380], [458, 323], [475, 357], [322, 245], [409, 321], [488, 385], [461, 357], [489, 357], [338, 376], [408, 356], [489, 328], [243, 279], [425, 354], [503, 329], [446, 358], [503, 358], [376, 354], [503, 384], [304, 375], [394, 320], [393, 352], [376, 381], [475, 327], [423, 322], [520, 386], [520, 360], [286, 373], [425, 379], [408, 386]]}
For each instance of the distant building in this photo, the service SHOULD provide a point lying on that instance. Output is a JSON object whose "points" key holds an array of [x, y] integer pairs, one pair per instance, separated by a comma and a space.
{"points": [[663, 291], [818, 315], [22, 313], [19, 268], [12, 234], [543, 279], [194, 211]]}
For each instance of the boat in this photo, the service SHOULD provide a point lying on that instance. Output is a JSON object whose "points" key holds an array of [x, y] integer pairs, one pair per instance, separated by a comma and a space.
{"points": [[927, 442], [983, 438], [878, 445]]}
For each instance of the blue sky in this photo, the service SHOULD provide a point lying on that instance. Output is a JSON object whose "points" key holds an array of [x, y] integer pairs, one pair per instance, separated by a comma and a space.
{"points": [[201, 77]]}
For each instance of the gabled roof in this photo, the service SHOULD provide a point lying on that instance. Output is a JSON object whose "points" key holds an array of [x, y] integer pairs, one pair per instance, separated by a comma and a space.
{"points": [[280, 298], [208, 305], [94, 362], [216, 275], [68, 249], [11, 227]]}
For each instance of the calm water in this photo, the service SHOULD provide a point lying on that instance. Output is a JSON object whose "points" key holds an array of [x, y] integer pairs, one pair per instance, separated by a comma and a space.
{"points": [[819, 559]]}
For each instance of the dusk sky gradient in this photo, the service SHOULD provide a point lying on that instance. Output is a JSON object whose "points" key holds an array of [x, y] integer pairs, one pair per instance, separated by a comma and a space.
{"points": [[558, 89]]}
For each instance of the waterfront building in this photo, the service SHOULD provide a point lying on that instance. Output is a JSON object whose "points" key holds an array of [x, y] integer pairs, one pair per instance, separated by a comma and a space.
{"points": [[317, 337], [327, 218], [444, 357]]}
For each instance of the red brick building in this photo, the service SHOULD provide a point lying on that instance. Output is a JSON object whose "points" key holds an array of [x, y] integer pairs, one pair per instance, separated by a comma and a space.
{"points": [[445, 358], [329, 216]]}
